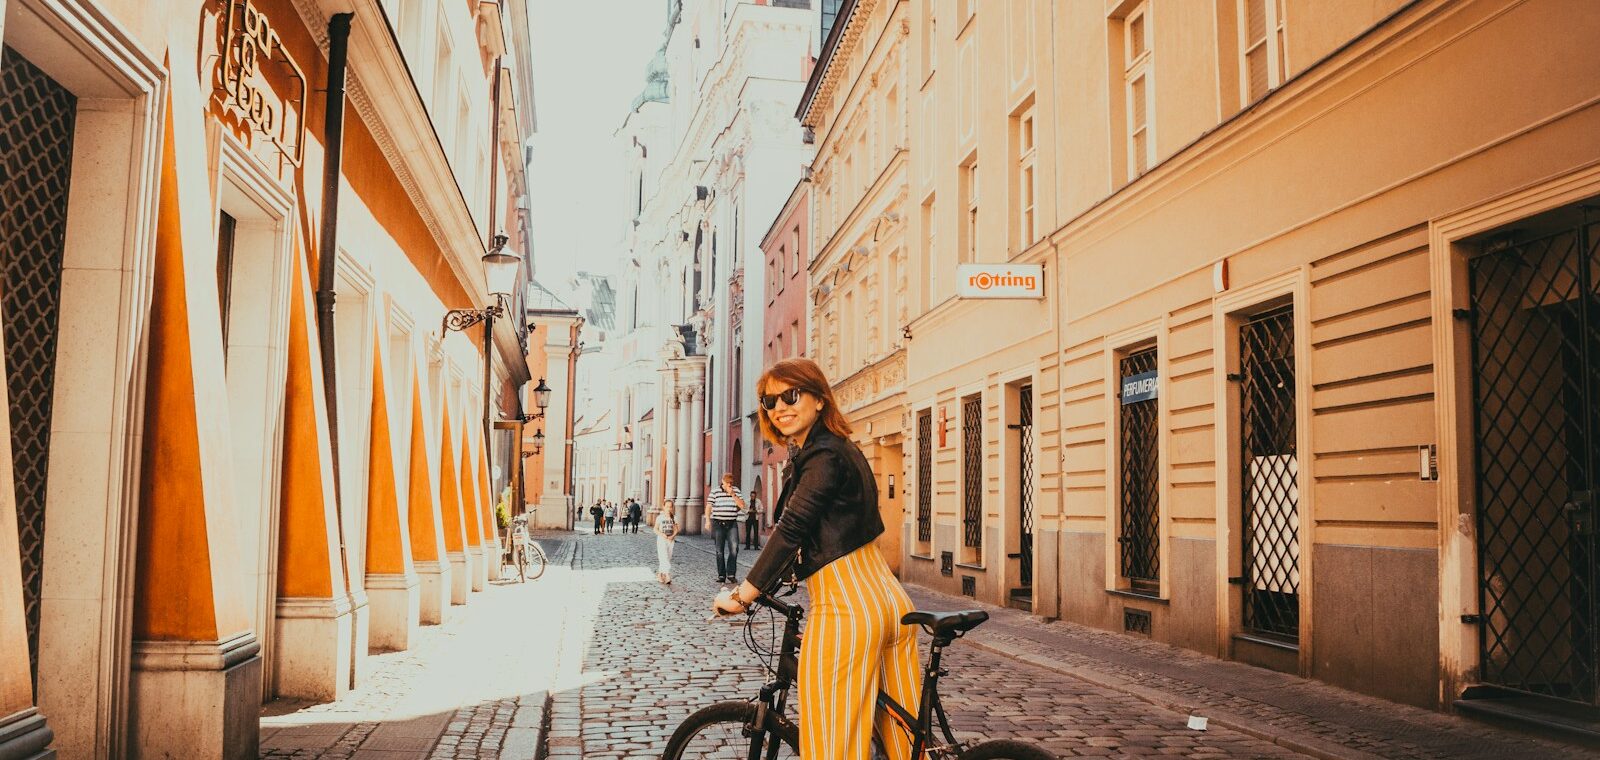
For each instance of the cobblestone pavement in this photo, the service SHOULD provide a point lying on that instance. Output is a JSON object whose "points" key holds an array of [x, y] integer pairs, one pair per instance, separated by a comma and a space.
{"points": [[474, 687], [655, 659]]}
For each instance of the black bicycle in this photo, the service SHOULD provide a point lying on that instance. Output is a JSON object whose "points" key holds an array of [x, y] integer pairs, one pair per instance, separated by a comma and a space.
{"points": [[758, 728]]}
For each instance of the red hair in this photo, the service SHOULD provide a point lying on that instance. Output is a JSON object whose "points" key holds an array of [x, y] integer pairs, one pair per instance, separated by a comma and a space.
{"points": [[807, 376]]}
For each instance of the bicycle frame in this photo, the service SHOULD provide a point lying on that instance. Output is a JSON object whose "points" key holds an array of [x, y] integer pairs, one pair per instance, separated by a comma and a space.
{"points": [[775, 694]]}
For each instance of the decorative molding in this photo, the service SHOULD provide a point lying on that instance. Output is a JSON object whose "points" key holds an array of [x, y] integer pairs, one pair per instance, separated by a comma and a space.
{"points": [[196, 655], [874, 382]]}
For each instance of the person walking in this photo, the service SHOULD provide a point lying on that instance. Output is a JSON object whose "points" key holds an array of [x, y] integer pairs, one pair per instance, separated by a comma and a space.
{"points": [[635, 514], [752, 523], [666, 535], [726, 507], [828, 520], [599, 516], [611, 516]]}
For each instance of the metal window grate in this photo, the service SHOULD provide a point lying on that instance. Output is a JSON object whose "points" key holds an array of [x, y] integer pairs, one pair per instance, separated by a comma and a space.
{"points": [[1271, 517], [947, 564], [972, 471], [925, 475], [1536, 391], [1136, 621], [1025, 480], [1140, 539], [969, 586], [36, 123]]}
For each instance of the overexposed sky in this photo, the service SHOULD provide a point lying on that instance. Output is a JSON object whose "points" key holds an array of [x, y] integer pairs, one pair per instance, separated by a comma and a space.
{"points": [[589, 58]]}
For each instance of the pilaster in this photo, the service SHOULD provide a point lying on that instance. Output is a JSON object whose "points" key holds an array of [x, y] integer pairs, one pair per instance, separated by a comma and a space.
{"points": [[391, 581], [425, 523], [472, 514], [454, 522]]}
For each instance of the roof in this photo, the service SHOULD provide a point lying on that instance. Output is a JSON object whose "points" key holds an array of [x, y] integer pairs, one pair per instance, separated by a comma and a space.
{"points": [[649, 415], [541, 299], [602, 308]]}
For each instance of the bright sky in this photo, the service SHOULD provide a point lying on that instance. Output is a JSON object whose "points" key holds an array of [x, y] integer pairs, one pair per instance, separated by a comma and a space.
{"points": [[589, 59]]}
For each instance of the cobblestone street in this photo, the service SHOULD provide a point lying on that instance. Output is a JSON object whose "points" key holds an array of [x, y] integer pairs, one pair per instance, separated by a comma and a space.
{"points": [[597, 660]]}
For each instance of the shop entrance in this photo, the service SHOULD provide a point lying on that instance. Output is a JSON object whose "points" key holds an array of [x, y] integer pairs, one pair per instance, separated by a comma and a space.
{"points": [[1535, 319]]}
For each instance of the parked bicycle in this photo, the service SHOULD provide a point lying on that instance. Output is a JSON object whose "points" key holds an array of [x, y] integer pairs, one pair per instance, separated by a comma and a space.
{"points": [[758, 728], [522, 552]]}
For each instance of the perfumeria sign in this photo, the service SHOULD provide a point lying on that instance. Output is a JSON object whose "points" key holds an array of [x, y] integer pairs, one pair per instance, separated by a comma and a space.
{"points": [[1000, 281]]}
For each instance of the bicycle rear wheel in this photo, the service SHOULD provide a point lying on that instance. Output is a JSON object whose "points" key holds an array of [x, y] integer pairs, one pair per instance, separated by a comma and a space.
{"points": [[717, 732], [1006, 749], [533, 561]]}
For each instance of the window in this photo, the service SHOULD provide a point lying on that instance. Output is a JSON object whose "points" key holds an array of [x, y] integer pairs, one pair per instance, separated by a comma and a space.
{"points": [[1026, 187], [781, 267], [794, 245], [930, 40], [1136, 78], [794, 338], [972, 476], [924, 480], [227, 233], [1261, 40], [968, 9], [969, 227], [443, 96], [1139, 513]]}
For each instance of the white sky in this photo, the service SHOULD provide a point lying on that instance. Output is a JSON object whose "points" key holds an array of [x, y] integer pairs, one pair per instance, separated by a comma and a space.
{"points": [[589, 58]]}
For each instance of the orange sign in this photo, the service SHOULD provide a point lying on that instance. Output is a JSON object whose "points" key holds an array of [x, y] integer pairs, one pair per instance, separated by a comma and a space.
{"points": [[1000, 281]]}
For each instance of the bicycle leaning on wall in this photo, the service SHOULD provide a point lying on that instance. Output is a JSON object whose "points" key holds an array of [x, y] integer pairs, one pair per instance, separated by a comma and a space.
{"points": [[522, 552]]}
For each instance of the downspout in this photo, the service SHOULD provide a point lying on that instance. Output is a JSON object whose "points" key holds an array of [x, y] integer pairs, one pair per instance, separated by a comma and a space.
{"points": [[327, 250], [572, 387], [1061, 453], [494, 149]]}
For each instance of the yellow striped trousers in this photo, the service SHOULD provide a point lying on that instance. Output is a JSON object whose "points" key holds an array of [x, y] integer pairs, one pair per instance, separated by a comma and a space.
{"points": [[854, 645]]}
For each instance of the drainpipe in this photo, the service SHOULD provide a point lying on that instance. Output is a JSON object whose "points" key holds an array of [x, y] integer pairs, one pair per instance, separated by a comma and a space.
{"points": [[328, 249]]}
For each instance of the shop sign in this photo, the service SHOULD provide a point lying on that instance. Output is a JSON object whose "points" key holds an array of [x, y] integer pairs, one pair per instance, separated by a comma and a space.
{"points": [[1140, 387], [1000, 281], [258, 82]]}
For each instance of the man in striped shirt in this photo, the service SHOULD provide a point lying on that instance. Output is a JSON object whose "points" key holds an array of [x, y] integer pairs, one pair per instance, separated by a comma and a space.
{"points": [[726, 506]]}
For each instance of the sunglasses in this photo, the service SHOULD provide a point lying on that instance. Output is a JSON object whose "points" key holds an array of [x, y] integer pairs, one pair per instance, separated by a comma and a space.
{"points": [[789, 397]]}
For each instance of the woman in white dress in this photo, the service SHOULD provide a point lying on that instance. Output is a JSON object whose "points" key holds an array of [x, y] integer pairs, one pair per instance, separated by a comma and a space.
{"points": [[666, 533]]}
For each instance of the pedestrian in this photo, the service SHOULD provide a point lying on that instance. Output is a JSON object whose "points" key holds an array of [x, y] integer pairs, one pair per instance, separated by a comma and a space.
{"points": [[635, 514], [854, 642], [611, 516], [752, 523], [726, 507], [599, 516], [666, 535]]}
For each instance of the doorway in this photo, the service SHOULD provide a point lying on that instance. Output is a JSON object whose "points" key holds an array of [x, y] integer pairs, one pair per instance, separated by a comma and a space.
{"points": [[1535, 326]]}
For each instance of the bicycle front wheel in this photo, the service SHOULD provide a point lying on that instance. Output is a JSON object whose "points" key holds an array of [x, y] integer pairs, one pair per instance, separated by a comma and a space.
{"points": [[718, 731], [1006, 749], [533, 561]]}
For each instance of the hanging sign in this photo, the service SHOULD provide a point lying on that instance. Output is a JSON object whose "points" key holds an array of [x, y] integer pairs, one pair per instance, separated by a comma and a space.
{"points": [[1140, 387], [257, 82], [1000, 281]]}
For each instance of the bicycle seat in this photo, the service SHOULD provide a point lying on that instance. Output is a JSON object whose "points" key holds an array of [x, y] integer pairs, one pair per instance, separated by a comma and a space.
{"points": [[946, 623]]}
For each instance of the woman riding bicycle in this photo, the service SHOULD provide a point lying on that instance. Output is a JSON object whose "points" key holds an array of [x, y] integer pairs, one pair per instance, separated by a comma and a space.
{"points": [[828, 518]]}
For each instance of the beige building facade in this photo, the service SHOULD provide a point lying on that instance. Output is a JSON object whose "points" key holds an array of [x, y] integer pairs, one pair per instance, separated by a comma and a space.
{"points": [[1310, 377]]}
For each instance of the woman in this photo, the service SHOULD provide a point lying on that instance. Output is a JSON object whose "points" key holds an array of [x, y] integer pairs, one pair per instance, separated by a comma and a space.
{"points": [[854, 643], [666, 535]]}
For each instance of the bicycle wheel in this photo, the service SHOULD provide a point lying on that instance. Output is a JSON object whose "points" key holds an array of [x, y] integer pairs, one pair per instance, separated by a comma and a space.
{"points": [[533, 561], [1006, 749], [717, 732]]}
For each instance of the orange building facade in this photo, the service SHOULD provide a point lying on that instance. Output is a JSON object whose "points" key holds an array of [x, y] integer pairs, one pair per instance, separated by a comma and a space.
{"points": [[199, 513], [1307, 374]]}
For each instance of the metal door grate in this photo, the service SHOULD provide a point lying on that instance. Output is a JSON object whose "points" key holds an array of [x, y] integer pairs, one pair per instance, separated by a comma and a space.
{"points": [[1536, 390], [1140, 538], [925, 475], [36, 122], [972, 471], [1271, 494], [1025, 480]]}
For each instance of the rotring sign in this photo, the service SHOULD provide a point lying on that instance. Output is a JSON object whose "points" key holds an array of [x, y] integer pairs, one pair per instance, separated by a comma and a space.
{"points": [[1000, 281]]}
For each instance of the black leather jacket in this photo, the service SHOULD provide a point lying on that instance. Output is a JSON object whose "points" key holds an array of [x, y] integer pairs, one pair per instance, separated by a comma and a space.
{"points": [[827, 509]]}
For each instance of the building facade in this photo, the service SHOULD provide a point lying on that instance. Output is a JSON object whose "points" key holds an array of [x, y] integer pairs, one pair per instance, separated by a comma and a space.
{"points": [[859, 276], [243, 448], [546, 449], [1285, 386], [713, 149], [785, 319]]}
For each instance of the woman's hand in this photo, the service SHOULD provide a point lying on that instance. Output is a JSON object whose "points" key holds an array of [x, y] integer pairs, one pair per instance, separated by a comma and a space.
{"points": [[727, 603]]}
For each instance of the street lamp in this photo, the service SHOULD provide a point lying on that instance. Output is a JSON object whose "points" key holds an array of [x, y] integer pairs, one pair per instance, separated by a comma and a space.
{"points": [[500, 269], [538, 441]]}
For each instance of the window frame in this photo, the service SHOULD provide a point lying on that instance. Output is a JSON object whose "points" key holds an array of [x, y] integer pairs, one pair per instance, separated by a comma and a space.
{"points": [[1272, 38], [1136, 67]]}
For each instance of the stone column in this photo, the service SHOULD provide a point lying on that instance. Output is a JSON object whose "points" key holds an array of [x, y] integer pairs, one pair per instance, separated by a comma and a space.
{"points": [[196, 680], [697, 475], [454, 520], [554, 509], [666, 469], [424, 520], [391, 580], [684, 457], [472, 512]]}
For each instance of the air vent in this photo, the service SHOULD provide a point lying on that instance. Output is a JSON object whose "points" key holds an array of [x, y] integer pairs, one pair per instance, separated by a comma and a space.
{"points": [[1136, 621], [947, 564], [969, 586]]}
